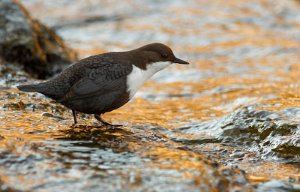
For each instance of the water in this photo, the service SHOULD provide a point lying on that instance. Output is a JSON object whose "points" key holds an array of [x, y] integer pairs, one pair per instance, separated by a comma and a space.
{"points": [[228, 121]]}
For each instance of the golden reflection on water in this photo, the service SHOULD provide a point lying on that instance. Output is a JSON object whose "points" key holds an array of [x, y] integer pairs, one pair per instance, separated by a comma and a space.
{"points": [[271, 82], [20, 126], [274, 90]]}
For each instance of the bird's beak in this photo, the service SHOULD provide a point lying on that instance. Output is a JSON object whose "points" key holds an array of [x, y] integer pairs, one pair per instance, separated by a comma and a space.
{"points": [[179, 61]]}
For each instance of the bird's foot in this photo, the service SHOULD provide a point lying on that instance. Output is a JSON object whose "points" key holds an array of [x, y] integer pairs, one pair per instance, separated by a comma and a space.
{"points": [[105, 123]]}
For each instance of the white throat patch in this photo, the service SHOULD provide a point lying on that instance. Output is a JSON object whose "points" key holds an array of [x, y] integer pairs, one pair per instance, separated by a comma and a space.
{"points": [[137, 77]]}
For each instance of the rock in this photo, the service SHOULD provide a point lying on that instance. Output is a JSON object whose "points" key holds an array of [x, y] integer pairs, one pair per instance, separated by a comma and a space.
{"points": [[269, 133], [27, 42]]}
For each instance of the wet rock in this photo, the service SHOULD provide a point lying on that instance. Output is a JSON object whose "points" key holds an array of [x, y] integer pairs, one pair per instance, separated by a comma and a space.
{"points": [[110, 159], [29, 43], [266, 132], [269, 133]]}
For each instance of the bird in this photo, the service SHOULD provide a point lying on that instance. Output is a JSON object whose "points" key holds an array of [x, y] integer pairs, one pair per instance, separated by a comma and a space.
{"points": [[105, 82]]}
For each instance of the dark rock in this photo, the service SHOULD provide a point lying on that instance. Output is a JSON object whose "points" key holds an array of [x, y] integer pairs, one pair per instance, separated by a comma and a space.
{"points": [[25, 41]]}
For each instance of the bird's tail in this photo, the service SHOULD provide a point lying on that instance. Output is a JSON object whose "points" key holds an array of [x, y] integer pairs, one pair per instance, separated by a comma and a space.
{"points": [[30, 88]]}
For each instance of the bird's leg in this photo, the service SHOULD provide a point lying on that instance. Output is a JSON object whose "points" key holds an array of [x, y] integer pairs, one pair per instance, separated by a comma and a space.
{"points": [[98, 117], [74, 116]]}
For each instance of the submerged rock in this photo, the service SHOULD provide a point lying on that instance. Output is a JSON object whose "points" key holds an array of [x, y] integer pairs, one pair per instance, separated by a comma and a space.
{"points": [[270, 133], [29, 43], [91, 158]]}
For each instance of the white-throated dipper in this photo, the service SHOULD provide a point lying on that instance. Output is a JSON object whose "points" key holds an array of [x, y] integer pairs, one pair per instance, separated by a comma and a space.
{"points": [[105, 82]]}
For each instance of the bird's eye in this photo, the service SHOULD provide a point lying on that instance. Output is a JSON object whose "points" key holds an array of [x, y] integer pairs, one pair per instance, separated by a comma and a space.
{"points": [[164, 55]]}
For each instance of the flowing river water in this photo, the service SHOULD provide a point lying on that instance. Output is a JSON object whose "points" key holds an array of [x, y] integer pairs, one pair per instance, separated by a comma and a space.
{"points": [[229, 121]]}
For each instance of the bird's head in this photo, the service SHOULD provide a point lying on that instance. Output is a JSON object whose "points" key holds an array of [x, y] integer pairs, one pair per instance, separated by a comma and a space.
{"points": [[160, 53]]}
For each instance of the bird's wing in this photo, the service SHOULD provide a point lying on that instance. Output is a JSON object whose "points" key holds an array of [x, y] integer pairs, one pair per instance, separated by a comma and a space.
{"points": [[100, 78]]}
